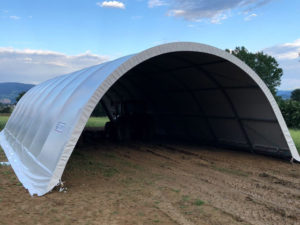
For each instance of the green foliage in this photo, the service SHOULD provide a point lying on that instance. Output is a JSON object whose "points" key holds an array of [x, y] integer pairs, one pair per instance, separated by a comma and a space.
{"points": [[98, 111], [198, 202], [20, 95], [264, 65], [290, 110], [3, 120], [296, 95], [296, 136], [97, 121], [5, 109]]}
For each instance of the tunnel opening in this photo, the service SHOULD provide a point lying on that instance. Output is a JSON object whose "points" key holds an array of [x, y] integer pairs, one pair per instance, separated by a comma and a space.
{"points": [[180, 91], [191, 97]]}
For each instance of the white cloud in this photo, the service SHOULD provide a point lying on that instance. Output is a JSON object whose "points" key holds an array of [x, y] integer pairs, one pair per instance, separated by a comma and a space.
{"points": [[250, 17], [176, 12], [213, 11], [251, 5], [285, 51], [111, 4], [287, 55], [218, 18], [14, 17], [35, 66], [156, 3]]}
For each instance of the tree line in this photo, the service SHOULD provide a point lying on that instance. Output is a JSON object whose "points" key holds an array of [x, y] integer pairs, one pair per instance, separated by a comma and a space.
{"points": [[269, 71], [290, 109]]}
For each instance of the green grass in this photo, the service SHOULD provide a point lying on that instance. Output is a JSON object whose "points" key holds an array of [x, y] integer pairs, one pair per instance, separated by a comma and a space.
{"points": [[97, 121], [3, 120], [198, 202], [92, 122], [296, 136]]}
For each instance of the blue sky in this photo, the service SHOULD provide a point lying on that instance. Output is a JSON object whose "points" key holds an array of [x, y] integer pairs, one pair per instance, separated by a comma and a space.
{"points": [[41, 39]]}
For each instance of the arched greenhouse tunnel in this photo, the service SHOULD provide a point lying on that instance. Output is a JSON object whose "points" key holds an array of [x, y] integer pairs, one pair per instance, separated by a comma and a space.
{"points": [[173, 92], [194, 97]]}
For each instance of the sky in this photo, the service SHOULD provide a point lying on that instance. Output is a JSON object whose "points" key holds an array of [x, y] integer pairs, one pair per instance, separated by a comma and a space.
{"points": [[41, 39]]}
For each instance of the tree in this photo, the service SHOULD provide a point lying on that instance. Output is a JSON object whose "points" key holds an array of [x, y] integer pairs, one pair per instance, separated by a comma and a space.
{"points": [[20, 96], [264, 65], [296, 95], [291, 112], [5, 109], [98, 111]]}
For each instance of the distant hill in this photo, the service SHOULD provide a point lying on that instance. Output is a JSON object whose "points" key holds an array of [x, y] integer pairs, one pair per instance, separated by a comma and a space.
{"points": [[284, 94], [9, 91]]}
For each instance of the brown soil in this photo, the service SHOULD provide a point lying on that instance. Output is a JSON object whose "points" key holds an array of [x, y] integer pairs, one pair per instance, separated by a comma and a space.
{"points": [[160, 184]]}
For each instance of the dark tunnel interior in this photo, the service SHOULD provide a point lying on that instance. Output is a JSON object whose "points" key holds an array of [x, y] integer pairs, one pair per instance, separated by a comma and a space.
{"points": [[195, 97]]}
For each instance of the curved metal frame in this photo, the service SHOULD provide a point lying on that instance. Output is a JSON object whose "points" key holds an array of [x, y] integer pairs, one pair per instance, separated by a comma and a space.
{"points": [[12, 139]]}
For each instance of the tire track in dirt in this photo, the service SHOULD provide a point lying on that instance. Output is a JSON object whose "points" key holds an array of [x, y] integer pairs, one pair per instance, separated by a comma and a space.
{"points": [[263, 209], [166, 207], [161, 184]]}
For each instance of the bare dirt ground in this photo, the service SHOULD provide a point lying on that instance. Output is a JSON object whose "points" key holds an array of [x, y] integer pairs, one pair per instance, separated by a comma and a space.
{"points": [[160, 184]]}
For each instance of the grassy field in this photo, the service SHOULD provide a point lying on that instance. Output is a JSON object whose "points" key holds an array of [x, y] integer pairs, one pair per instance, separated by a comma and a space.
{"points": [[92, 122], [296, 136], [97, 121], [100, 122], [3, 120]]}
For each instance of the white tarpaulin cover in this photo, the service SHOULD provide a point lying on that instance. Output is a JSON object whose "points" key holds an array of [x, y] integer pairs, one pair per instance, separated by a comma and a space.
{"points": [[196, 91]]}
